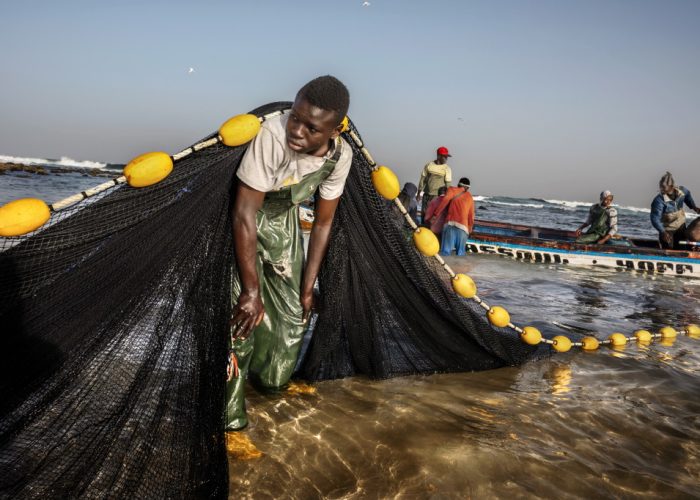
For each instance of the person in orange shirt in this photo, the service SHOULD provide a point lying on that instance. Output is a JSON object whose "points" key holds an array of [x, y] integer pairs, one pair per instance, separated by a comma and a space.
{"points": [[459, 222], [435, 223]]}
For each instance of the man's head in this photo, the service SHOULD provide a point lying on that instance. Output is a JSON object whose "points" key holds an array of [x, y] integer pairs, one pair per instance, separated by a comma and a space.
{"points": [[606, 198], [464, 183], [667, 184], [442, 155], [316, 115]]}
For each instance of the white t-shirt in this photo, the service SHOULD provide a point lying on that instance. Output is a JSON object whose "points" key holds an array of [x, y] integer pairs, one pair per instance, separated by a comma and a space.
{"points": [[270, 165]]}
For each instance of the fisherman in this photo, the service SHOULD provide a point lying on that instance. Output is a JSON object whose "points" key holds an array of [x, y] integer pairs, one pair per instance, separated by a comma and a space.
{"points": [[292, 156], [430, 220], [459, 222], [692, 232], [407, 197], [667, 214], [435, 174], [602, 219]]}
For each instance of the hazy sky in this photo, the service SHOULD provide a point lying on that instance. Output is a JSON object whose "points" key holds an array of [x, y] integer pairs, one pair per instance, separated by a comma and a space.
{"points": [[555, 99]]}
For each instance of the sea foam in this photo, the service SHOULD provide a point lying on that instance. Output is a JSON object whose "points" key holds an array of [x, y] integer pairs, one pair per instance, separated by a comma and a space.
{"points": [[64, 161]]}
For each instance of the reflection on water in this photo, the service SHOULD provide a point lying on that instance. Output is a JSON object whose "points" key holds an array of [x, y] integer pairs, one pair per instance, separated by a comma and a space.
{"points": [[613, 423]]}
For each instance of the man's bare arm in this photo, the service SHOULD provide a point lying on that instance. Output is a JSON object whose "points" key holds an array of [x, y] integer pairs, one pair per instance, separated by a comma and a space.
{"points": [[249, 310], [318, 245]]}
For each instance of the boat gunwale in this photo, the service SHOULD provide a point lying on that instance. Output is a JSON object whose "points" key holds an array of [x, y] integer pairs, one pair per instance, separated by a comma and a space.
{"points": [[578, 248]]}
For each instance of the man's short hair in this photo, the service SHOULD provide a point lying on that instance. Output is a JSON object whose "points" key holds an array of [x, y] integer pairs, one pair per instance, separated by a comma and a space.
{"points": [[464, 182], [327, 92]]}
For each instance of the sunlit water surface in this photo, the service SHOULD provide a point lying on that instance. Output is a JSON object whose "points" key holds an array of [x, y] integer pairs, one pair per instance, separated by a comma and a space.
{"points": [[613, 423]]}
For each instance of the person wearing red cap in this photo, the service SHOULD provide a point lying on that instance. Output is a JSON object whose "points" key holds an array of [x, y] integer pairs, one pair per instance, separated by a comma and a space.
{"points": [[435, 175]]}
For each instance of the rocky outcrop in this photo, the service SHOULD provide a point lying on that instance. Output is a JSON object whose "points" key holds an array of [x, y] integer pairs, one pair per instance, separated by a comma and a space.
{"points": [[45, 170]]}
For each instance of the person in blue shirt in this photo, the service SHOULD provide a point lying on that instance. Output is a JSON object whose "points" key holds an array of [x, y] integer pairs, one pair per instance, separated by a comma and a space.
{"points": [[667, 213]]}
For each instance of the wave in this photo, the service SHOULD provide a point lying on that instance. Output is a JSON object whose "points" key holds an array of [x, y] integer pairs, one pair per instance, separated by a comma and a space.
{"points": [[569, 204], [636, 209], [509, 204], [64, 161]]}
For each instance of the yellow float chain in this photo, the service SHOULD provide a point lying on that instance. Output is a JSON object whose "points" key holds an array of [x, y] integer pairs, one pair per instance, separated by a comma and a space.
{"points": [[239, 128], [559, 343], [71, 200]]}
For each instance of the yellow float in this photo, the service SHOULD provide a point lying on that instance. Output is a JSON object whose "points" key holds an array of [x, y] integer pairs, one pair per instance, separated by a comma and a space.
{"points": [[464, 286], [617, 339], [386, 183], [239, 130], [23, 216], [498, 316], [668, 332], [426, 242], [590, 343], [531, 335], [148, 169], [692, 331], [561, 343], [345, 125], [643, 336]]}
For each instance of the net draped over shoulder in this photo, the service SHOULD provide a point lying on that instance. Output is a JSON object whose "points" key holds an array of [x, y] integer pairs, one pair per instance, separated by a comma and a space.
{"points": [[115, 320]]}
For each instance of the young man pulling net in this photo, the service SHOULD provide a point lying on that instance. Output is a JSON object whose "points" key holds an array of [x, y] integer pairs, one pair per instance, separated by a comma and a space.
{"points": [[292, 156]]}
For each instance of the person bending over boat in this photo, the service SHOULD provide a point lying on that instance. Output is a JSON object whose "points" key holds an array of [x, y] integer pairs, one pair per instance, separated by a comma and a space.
{"points": [[667, 213], [459, 222], [292, 156], [602, 219], [435, 175]]}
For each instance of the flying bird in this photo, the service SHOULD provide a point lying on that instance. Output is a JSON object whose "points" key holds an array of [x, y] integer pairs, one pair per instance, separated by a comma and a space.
{"points": [[190, 71], [366, 4]]}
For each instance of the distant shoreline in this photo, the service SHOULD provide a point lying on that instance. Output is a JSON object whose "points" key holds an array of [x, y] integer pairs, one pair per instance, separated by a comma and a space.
{"points": [[46, 170]]}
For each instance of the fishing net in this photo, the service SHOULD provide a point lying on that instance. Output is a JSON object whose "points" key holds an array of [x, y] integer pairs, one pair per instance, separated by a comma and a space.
{"points": [[115, 317]]}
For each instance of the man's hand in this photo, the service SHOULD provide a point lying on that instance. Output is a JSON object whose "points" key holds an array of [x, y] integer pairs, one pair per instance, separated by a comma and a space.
{"points": [[578, 232], [249, 311], [667, 238], [308, 302], [247, 314], [603, 240]]}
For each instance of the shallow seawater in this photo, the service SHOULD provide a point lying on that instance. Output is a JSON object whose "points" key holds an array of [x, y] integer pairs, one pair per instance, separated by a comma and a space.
{"points": [[613, 423]]}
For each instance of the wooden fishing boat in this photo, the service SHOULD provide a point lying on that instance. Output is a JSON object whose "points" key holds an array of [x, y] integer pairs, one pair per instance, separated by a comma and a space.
{"points": [[554, 246]]}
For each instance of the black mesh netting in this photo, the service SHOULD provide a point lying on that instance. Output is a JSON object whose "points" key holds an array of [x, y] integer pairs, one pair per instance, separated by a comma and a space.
{"points": [[114, 321]]}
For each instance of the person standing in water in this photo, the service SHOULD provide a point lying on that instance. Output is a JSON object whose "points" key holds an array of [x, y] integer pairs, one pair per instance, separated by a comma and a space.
{"points": [[435, 175], [667, 213], [459, 222], [602, 219], [292, 156]]}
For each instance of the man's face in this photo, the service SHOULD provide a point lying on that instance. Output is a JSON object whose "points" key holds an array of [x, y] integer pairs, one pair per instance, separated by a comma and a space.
{"points": [[607, 201], [309, 128], [666, 189], [441, 159]]}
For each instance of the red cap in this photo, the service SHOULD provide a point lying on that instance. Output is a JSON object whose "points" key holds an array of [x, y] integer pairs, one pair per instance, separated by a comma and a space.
{"points": [[442, 150]]}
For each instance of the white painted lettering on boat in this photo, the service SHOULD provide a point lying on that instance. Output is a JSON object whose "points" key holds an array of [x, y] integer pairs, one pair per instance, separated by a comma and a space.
{"points": [[518, 254], [659, 267], [551, 257]]}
